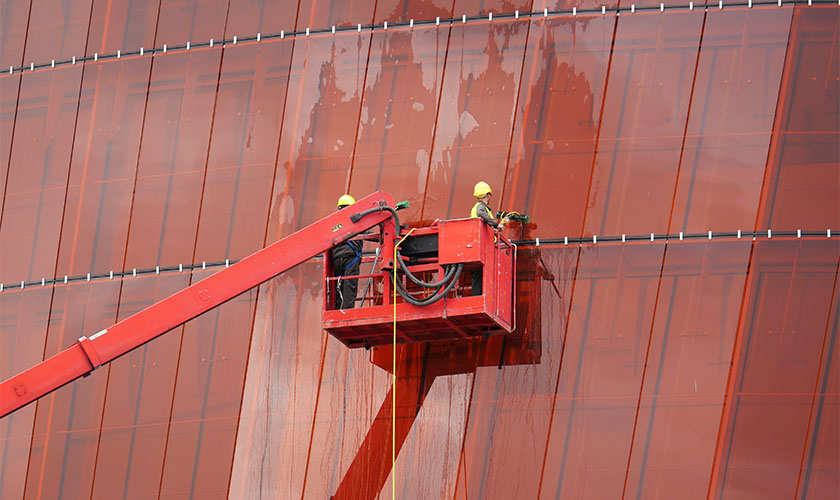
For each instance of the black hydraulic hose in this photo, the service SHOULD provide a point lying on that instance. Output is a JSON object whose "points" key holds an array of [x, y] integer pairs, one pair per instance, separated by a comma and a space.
{"points": [[434, 298], [357, 217], [422, 283], [408, 298]]}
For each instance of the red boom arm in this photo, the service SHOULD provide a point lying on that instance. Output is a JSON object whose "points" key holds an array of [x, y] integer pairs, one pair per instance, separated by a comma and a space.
{"points": [[89, 353]]}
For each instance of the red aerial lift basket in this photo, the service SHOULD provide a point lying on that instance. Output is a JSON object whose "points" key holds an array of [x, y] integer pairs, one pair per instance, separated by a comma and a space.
{"points": [[427, 252]]}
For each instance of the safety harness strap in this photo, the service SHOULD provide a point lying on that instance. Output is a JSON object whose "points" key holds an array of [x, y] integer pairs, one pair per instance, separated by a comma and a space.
{"points": [[357, 258]]}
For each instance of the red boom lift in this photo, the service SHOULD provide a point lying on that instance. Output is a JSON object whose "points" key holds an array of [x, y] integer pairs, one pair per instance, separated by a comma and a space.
{"points": [[432, 300]]}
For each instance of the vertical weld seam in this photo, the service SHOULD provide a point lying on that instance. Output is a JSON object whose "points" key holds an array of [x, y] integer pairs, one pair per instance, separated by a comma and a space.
{"points": [[242, 394], [687, 121], [656, 385], [515, 108], [339, 443], [171, 407], [214, 338], [831, 54], [386, 134], [437, 116], [9, 159], [258, 368], [624, 116], [202, 419], [39, 401], [127, 239], [14, 122], [458, 143], [802, 469], [600, 126], [61, 226], [282, 126], [295, 222], [210, 140], [64, 207], [644, 369], [559, 371], [462, 456], [703, 118], [83, 180], [314, 414], [575, 399], [70, 158], [548, 74], [741, 376], [728, 396], [51, 408], [89, 139], [290, 171], [132, 441], [105, 390], [252, 300], [776, 129], [361, 104], [491, 428]]}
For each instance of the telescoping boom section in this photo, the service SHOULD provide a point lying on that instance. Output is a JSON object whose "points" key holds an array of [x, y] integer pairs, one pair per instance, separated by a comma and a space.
{"points": [[88, 353]]}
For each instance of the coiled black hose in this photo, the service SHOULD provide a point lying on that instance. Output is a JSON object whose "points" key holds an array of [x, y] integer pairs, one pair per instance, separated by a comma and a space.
{"points": [[446, 277], [434, 298], [450, 278], [357, 217]]}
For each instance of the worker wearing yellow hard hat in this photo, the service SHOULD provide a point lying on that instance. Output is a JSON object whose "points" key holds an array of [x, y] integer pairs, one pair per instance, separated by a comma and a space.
{"points": [[481, 210], [345, 259]]}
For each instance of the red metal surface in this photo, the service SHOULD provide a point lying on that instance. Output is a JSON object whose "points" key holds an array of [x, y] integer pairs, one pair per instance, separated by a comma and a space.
{"points": [[89, 353], [253, 401], [458, 316]]}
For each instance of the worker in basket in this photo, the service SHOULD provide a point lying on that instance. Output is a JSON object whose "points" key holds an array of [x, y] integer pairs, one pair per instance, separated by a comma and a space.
{"points": [[345, 259], [482, 210]]}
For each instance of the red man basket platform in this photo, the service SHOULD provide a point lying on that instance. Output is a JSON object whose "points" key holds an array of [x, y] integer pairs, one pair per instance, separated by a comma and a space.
{"points": [[428, 252]]}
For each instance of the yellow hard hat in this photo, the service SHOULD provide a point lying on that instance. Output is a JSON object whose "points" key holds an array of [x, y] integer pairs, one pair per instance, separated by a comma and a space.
{"points": [[346, 200], [481, 189]]}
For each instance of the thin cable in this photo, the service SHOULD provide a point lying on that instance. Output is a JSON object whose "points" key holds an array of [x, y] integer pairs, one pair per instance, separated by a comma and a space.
{"points": [[394, 380], [540, 242], [394, 388], [358, 28]]}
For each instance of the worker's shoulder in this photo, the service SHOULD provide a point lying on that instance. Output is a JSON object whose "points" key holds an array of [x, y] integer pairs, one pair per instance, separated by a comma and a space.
{"points": [[483, 208]]}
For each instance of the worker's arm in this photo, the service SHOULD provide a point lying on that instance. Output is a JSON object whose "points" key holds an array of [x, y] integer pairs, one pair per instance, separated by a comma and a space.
{"points": [[485, 214]]}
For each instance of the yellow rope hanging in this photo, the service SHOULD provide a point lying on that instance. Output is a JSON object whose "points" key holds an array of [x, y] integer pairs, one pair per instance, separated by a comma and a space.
{"points": [[394, 379]]}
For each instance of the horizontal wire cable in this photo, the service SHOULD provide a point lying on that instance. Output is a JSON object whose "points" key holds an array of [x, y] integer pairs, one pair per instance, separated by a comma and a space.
{"points": [[671, 238], [463, 19], [594, 240], [117, 274]]}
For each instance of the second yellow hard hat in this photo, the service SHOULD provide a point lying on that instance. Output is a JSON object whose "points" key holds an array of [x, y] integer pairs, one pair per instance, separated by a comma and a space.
{"points": [[346, 200]]}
